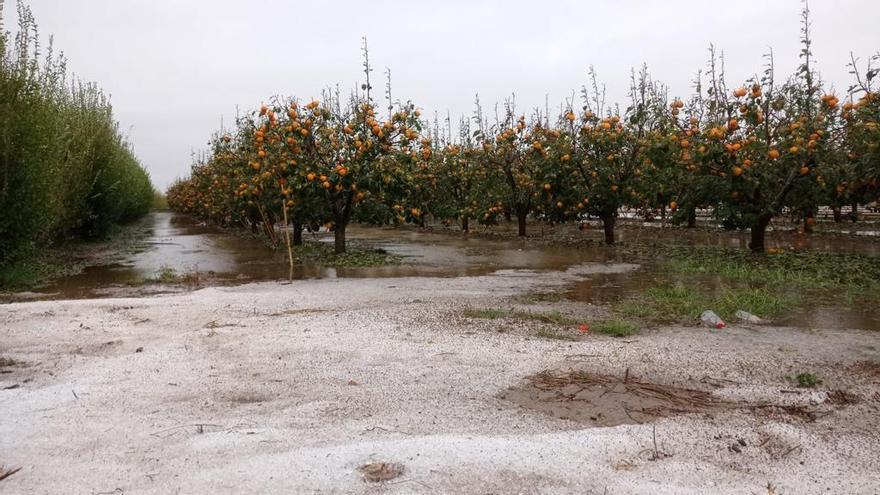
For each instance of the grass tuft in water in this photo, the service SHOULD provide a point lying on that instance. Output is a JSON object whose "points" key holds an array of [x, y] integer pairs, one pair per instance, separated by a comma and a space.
{"points": [[541, 297], [35, 270], [357, 257], [677, 303], [170, 276]]}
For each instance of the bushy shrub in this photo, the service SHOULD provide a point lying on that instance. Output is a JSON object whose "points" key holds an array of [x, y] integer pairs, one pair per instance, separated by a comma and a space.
{"points": [[65, 168]]}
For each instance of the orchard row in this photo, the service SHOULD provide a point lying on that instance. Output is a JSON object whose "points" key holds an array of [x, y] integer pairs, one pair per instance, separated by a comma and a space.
{"points": [[748, 152]]}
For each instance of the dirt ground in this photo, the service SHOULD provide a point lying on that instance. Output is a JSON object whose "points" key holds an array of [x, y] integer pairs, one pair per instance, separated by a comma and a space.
{"points": [[310, 386]]}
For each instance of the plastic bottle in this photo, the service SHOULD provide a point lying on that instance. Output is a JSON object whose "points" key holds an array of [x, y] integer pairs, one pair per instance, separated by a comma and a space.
{"points": [[711, 319], [746, 317]]}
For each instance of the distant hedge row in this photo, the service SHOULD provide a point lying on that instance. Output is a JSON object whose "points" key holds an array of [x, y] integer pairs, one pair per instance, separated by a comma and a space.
{"points": [[65, 168]]}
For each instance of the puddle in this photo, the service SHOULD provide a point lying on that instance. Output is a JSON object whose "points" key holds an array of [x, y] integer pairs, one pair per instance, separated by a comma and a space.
{"points": [[168, 240], [600, 400]]}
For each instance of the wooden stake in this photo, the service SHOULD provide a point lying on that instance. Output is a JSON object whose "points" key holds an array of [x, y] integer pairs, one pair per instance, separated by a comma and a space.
{"points": [[287, 239]]}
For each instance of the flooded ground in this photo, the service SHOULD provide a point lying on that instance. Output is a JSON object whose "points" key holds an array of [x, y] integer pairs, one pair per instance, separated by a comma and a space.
{"points": [[606, 288], [168, 241], [306, 385]]}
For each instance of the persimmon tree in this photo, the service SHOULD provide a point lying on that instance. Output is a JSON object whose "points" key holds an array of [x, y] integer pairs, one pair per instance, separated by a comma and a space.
{"points": [[505, 152], [860, 182], [458, 180], [607, 154], [347, 156], [762, 142]]}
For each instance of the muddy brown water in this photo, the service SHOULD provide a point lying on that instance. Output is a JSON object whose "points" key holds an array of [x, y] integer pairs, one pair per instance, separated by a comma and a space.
{"points": [[178, 242], [166, 240]]}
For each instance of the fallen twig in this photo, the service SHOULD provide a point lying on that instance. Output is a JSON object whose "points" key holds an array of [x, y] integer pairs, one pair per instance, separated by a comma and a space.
{"points": [[789, 451], [656, 454], [410, 481], [374, 428], [626, 410], [200, 427], [717, 381], [6, 474]]}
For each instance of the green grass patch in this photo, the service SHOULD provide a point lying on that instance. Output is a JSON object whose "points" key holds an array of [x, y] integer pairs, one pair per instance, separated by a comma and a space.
{"points": [[20, 275], [554, 317], [34, 271], [548, 334], [485, 313], [681, 303], [806, 270], [807, 380], [615, 328]]}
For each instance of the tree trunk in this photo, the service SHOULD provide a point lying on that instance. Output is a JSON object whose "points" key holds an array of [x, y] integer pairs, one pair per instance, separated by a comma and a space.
{"points": [[465, 221], [341, 205], [838, 216], [521, 223], [297, 233], [339, 238], [808, 225], [507, 214], [692, 218], [608, 225], [759, 231], [854, 216]]}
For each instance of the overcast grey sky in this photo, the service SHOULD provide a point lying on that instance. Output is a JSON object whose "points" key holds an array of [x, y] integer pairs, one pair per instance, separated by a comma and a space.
{"points": [[174, 67]]}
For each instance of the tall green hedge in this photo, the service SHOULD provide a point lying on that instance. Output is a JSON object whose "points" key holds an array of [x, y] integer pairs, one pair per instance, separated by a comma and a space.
{"points": [[65, 168]]}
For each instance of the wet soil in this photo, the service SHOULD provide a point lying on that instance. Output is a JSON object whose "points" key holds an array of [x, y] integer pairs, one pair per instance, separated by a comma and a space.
{"points": [[602, 400], [599, 400]]}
